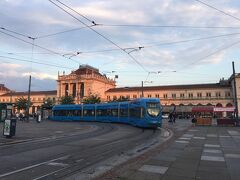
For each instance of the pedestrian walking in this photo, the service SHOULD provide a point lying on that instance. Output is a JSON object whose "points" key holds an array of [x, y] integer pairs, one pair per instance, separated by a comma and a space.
{"points": [[170, 117], [174, 117]]}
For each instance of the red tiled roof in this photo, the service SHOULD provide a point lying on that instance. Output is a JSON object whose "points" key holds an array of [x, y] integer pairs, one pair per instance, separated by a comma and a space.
{"points": [[169, 87]]}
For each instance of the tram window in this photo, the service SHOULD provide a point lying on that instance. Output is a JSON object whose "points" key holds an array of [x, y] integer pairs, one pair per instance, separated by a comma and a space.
{"points": [[109, 112], [77, 113], [114, 112], [135, 112], [124, 112], [102, 112], [59, 113], [56, 113], [88, 112], [69, 113], [99, 112]]}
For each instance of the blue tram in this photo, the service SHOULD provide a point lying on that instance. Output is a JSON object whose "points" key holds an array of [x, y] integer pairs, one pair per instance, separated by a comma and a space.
{"points": [[143, 112]]}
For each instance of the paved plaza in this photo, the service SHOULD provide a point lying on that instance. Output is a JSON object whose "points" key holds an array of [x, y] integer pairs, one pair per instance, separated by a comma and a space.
{"points": [[192, 152], [206, 153]]}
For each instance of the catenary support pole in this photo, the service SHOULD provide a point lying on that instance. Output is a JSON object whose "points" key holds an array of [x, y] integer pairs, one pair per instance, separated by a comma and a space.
{"points": [[29, 93], [235, 94]]}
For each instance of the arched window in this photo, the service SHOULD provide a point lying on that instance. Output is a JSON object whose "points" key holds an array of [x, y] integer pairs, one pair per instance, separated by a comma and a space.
{"points": [[229, 114], [219, 105], [219, 114], [229, 105]]}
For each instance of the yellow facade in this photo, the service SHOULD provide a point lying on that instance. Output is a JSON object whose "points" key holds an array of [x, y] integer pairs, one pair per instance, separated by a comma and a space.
{"points": [[37, 98], [87, 80], [84, 82]]}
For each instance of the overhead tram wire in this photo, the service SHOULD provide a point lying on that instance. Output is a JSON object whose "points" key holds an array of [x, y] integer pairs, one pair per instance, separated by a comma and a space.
{"points": [[109, 40], [36, 62], [61, 32], [20, 34], [211, 54], [221, 11], [153, 44], [53, 52], [191, 40], [140, 26], [93, 22], [21, 56], [169, 26], [149, 45]]}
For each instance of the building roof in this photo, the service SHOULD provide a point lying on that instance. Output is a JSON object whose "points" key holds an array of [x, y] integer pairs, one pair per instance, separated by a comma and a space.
{"points": [[86, 69], [3, 88], [170, 87], [53, 92]]}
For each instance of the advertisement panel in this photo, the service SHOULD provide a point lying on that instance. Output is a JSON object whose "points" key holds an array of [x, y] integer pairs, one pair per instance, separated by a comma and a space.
{"points": [[6, 128]]}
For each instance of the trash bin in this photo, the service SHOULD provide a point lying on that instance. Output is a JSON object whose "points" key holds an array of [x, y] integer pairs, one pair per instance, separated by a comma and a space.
{"points": [[9, 128]]}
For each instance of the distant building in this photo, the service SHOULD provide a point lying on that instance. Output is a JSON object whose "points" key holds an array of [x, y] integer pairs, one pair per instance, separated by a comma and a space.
{"points": [[37, 98], [215, 94], [88, 80], [83, 82], [3, 89]]}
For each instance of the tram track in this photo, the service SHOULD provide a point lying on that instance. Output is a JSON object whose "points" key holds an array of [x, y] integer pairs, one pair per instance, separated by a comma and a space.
{"points": [[43, 142], [82, 156], [92, 159]]}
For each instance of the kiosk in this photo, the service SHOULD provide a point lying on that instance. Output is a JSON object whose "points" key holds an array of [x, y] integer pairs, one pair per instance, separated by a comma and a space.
{"points": [[203, 114]]}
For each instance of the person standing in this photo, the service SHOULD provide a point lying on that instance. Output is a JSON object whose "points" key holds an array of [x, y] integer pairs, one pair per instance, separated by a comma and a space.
{"points": [[174, 117]]}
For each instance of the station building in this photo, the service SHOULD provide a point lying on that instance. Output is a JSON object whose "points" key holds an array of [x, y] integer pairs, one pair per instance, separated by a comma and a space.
{"points": [[84, 82], [88, 80]]}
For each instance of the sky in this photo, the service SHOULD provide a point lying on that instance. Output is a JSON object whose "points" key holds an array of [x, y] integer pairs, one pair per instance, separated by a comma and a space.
{"points": [[159, 42]]}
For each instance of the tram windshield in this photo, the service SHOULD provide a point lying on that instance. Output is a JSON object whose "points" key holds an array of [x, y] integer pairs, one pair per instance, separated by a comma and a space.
{"points": [[153, 109]]}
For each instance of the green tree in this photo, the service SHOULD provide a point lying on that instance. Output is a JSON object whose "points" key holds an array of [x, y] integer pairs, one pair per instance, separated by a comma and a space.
{"points": [[21, 103], [92, 99], [48, 103], [67, 100], [120, 99]]}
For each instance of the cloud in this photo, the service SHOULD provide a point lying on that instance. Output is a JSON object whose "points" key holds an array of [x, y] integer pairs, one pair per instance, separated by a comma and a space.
{"points": [[39, 17], [21, 84], [40, 76], [15, 77]]}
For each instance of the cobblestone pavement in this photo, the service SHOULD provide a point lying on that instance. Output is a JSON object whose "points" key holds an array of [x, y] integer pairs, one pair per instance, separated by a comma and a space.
{"points": [[204, 153]]}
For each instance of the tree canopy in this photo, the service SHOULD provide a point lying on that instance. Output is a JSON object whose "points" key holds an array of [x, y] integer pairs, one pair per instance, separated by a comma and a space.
{"points": [[21, 103], [120, 99], [92, 99], [48, 103], [67, 100]]}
